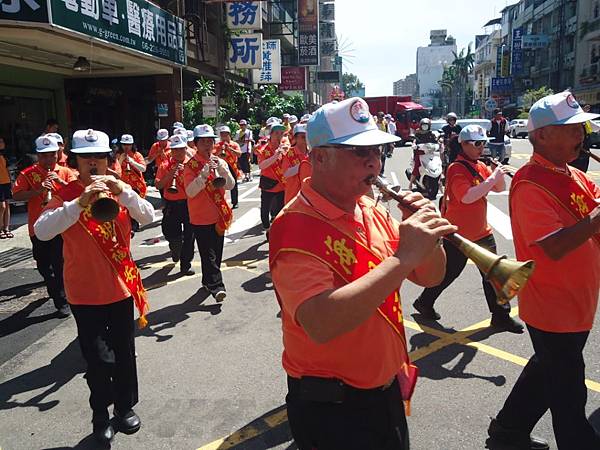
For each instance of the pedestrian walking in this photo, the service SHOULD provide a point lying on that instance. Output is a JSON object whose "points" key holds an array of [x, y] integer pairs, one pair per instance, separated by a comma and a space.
{"points": [[229, 151], [5, 193]]}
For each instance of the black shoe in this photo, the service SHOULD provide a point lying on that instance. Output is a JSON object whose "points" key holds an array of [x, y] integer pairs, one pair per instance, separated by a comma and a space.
{"points": [[516, 439], [234, 206], [103, 432], [507, 323], [63, 311], [128, 423], [186, 270], [220, 296], [426, 311]]}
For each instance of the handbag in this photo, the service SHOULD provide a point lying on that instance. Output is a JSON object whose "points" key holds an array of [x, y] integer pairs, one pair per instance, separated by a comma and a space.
{"points": [[267, 183]]}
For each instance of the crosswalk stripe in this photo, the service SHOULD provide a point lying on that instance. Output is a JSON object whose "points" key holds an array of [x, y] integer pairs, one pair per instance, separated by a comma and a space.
{"points": [[242, 225], [394, 178], [499, 221]]}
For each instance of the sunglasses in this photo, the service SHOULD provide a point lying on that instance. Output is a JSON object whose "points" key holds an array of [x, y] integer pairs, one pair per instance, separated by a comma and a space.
{"points": [[361, 152], [92, 155], [476, 143]]}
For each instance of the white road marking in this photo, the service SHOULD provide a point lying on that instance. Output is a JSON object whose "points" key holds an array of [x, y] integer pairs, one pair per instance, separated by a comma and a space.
{"points": [[249, 200], [499, 221], [242, 225], [248, 192], [394, 179]]}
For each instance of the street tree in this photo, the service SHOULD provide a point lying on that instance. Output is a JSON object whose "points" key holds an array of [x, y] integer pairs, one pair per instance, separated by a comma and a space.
{"points": [[351, 83]]}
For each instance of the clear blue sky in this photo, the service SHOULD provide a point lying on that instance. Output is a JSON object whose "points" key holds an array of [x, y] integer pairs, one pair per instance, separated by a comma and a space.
{"points": [[385, 34]]}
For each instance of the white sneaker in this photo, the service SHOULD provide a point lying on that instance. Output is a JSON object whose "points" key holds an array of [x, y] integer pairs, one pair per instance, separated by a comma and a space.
{"points": [[220, 296]]}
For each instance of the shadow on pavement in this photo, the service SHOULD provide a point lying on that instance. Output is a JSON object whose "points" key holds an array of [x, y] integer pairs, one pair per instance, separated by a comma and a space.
{"points": [[172, 315], [260, 283], [22, 290], [142, 263], [267, 431], [51, 377], [87, 443], [21, 320], [432, 365], [251, 253]]}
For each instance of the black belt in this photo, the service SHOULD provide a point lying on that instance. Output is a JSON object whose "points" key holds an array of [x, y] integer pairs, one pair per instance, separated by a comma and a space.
{"points": [[332, 390]]}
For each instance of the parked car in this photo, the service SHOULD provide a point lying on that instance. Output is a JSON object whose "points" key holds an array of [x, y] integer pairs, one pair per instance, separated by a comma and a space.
{"points": [[594, 138], [518, 128], [487, 126]]}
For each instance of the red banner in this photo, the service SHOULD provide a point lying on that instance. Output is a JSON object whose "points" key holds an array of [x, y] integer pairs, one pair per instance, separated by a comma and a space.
{"points": [[293, 79]]}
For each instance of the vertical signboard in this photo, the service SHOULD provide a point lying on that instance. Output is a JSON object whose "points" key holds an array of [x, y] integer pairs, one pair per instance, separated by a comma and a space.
{"points": [[517, 51], [245, 51], [499, 61], [270, 73], [308, 32], [244, 15], [293, 79]]}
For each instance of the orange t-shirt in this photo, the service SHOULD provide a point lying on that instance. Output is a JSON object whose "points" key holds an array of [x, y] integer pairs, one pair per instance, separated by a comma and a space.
{"points": [[90, 278], [34, 205], [471, 219], [561, 296], [162, 172], [4, 175], [202, 208], [293, 183], [156, 150], [269, 171], [366, 357], [116, 166]]}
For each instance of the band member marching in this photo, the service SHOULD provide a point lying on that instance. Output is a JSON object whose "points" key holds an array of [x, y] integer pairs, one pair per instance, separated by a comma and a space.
{"points": [[555, 221], [270, 157], [159, 151], [295, 165], [229, 151], [132, 165], [36, 185], [244, 139], [468, 181], [101, 279], [206, 178], [338, 261], [176, 226]]}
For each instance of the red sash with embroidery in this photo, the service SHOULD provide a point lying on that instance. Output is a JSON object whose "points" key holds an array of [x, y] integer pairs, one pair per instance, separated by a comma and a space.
{"points": [[113, 243], [229, 157], [35, 175], [294, 158], [349, 259], [216, 195], [565, 189], [133, 178], [267, 152]]}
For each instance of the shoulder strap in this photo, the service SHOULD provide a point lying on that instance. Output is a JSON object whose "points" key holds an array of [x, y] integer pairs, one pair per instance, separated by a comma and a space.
{"points": [[470, 168]]}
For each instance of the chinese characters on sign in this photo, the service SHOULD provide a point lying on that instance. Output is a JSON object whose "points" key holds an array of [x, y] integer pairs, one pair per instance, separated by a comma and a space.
{"points": [[308, 33], [517, 52], [293, 79], [270, 73], [502, 85], [24, 10], [135, 24], [534, 41], [244, 15], [244, 51]]}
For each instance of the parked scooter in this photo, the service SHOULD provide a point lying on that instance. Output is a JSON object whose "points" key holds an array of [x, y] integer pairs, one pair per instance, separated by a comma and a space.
{"points": [[430, 170]]}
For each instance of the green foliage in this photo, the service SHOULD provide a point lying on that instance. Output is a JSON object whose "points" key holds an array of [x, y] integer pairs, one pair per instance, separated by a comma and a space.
{"points": [[351, 83], [533, 95], [239, 102], [523, 115]]}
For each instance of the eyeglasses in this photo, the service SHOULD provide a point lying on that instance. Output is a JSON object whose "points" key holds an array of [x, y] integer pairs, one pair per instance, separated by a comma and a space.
{"points": [[476, 143], [361, 152], [92, 155]]}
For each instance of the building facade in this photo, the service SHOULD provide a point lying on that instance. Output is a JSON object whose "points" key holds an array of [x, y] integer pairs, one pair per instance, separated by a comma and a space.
{"points": [[587, 61], [430, 65], [406, 86]]}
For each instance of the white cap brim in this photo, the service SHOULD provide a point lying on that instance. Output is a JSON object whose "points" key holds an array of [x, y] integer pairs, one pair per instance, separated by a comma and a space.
{"points": [[206, 136], [47, 150], [366, 139], [91, 150]]}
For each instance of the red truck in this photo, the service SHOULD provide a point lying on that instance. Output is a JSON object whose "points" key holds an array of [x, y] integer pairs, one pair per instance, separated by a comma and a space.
{"points": [[407, 113]]}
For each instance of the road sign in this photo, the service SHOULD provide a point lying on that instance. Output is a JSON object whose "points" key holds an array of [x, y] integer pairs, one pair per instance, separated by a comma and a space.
{"points": [[209, 111], [490, 104], [209, 100]]}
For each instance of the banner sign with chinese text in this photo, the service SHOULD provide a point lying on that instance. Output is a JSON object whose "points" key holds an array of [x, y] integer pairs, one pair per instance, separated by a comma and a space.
{"points": [[533, 41], [244, 51], [517, 51], [270, 73], [502, 85], [244, 15], [293, 79], [24, 10], [135, 24], [308, 32]]}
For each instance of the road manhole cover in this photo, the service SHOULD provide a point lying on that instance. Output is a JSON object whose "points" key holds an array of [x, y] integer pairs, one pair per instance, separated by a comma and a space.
{"points": [[15, 255]]}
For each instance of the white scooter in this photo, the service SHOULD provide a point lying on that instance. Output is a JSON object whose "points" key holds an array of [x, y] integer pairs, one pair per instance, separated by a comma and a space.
{"points": [[430, 170]]}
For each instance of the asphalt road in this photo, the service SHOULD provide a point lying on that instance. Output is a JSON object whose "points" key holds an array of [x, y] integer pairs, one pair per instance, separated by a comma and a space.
{"points": [[210, 375]]}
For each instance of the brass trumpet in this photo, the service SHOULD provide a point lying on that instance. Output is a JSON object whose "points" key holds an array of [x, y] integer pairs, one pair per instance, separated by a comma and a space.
{"points": [[506, 276], [104, 208], [218, 182], [496, 162], [173, 188]]}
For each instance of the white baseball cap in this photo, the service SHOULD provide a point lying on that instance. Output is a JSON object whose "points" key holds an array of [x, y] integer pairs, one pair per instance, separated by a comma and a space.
{"points": [[126, 139], [472, 133], [90, 141], [190, 135], [162, 134], [293, 119], [225, 129], [58, 137], [46, 144], [178, 141], [558, 109], [178, 125], [286, 116], [243, 122], [345, 123], [204, 131], [305, 118], [273, 120], [300, 128], [180, 130]]}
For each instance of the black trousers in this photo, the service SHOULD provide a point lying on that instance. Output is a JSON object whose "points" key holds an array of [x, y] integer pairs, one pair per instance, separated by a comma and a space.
{"points": [[178, 231], [373, 420], [48, 256], [383, 159], [234, 191], [210, 247], [554, 379], [455, 264], [245, 162], [270, 205], [106, 337]]}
